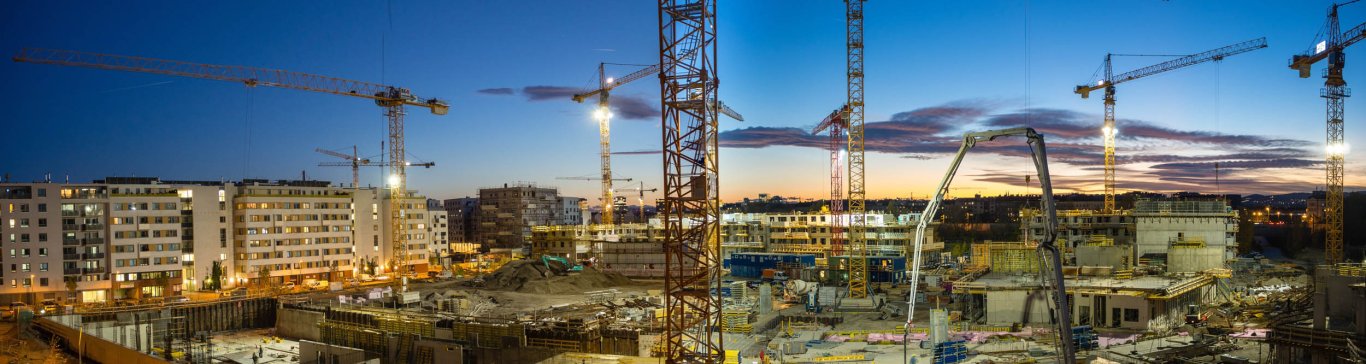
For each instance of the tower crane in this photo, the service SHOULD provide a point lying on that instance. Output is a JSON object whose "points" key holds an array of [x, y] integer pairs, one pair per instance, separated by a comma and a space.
{"points": [[604, 116], [1334, 90], [355, 162], [836, 122], [1109, 80], [1046, 246], [691, 208], [858, 224], [641, 199], [392, 99]]}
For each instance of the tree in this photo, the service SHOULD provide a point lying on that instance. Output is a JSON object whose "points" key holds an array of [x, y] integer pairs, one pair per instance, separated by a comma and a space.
{"points": [[263, 273], [71, 288], [215, 280], [370, 265]]}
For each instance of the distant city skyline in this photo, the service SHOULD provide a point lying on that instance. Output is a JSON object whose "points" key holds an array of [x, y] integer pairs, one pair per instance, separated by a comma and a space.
{"points": [[934, 70]]}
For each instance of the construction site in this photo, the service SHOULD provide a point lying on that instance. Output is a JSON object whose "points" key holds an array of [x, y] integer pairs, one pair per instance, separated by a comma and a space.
{"points": [[309, 271]]}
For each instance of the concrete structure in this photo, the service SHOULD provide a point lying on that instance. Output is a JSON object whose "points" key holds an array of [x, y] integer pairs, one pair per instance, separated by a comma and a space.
{"points": [[636, 250], [1161, 222], [506, 214], [571, 210], [438, 232], [1141, 303], [1327, 325]]}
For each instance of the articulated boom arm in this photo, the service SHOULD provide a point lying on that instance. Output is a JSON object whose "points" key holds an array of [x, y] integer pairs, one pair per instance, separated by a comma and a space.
{"points": [[1040, 156], [651, 70], [1194, 59], [383, 95], [339, 155]]}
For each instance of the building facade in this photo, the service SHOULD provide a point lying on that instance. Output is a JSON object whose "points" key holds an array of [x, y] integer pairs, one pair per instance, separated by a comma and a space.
{"points": [[143, 237], [507, 214]]}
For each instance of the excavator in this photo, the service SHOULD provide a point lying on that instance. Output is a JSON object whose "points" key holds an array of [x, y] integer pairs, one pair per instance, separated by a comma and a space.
{"points": [[1052, 267], [561, 266]]}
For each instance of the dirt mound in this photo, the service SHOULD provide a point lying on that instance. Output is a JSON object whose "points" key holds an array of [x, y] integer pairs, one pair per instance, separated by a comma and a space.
{"points": [[530, 276]]}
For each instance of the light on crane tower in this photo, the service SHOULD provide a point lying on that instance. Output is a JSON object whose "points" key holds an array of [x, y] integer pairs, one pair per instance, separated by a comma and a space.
{"points": [[1100, 83], [602, 113], [609, 80], [1339, 149], [1109, 131], [393, 180]]}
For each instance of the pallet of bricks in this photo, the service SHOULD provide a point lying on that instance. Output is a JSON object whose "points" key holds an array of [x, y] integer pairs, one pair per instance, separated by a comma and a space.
{"points": [[736, 321]]}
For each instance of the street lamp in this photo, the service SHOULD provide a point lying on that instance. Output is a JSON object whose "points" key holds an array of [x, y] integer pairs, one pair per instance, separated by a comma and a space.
{"points": [[31, 298]]}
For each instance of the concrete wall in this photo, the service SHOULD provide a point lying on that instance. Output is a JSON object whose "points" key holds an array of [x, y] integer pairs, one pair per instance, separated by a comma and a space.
{"points": [[1154, 233], [93, 347], [1105, 256], [1006, 307], [312, 352], [298, 324], [1189, 260]]}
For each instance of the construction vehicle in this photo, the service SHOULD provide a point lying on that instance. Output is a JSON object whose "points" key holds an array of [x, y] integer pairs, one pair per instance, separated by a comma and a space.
{"points": [[1335, 91], [1052, 269], [1108, 81], [561, 266], [1195, 317]]}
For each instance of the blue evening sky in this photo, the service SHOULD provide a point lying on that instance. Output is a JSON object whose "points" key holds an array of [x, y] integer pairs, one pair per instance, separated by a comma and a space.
{"points": [[781, 65]]}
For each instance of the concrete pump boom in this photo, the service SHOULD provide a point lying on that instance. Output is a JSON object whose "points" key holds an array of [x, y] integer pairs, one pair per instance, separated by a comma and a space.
{"points": [[1040, 156]]}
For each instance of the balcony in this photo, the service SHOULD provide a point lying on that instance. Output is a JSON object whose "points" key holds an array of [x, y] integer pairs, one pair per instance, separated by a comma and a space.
{"points": [[71, 271], [71, 241], [92, 256], [71, 227], [71, 257], [96, 270], [92, 241]]}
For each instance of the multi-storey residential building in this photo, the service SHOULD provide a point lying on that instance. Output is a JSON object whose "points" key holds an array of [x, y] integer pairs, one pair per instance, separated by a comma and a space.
{"points": [[571, 210], [463, 214], [290, 232], [144, 237], [507, 214], [145, 245], [439, 242]]}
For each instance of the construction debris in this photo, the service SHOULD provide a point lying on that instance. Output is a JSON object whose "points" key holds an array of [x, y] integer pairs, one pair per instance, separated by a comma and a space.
{"points": [[530, 276]]}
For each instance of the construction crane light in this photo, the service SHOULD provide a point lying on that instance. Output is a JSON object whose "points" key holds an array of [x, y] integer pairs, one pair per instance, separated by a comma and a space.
{"points": [[393, 180], [1100, 83], [1109, 131], [1338, 149], [609, 80], [602, 113]]}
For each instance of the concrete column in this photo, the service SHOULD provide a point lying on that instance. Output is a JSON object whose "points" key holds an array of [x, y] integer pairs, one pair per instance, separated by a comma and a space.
{"points": [[1321, 296]]}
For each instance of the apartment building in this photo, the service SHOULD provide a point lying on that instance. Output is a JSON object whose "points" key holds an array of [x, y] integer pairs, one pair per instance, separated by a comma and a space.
{"points": [[464, 217], [291, 232], [438, 232], [507, 214], [143, 237]]}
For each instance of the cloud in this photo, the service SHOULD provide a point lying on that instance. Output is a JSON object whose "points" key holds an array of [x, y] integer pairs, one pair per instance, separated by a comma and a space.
{"points": [[497, 91], [633, 108], [542, 93], [1150, 157]]}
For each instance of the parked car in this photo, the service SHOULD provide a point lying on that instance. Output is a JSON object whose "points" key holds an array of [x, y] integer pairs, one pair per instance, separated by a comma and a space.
{"points": [[352, 282], [382, 277], [50, 307], [316, 285], [366, 278], [235, 292], [288, 286], [14, 308]]}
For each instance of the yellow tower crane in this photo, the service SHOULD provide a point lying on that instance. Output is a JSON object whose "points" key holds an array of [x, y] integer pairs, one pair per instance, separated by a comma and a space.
{"points": [[858, 224], [1334, 90], [1108, 81], [604, 116], [392, 98]]}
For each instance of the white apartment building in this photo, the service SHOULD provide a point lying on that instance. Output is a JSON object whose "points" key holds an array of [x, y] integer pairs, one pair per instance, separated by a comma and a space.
{"points": [[143, 237]]}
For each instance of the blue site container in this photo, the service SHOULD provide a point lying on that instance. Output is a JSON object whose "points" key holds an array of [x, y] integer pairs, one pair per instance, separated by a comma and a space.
{"points": [[752, 265]]}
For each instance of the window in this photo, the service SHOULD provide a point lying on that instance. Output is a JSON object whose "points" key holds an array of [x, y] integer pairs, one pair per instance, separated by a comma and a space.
{"points": [[42, 252], [42, 222], [42, 267], [42, 281], [42, 192], [1131, 315], [42, 207], [42, 237]]}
